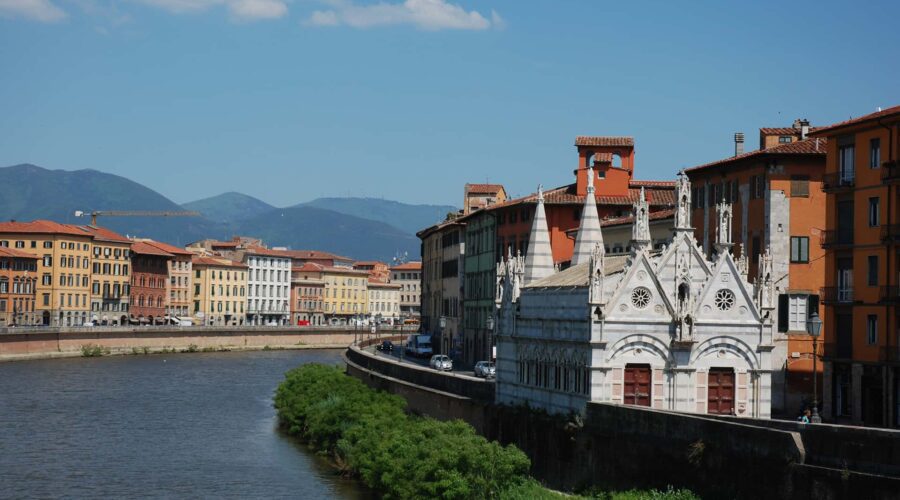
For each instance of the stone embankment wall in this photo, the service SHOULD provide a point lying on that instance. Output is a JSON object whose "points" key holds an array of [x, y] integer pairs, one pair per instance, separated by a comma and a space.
{"points": [[621, 447], [64, 342]]}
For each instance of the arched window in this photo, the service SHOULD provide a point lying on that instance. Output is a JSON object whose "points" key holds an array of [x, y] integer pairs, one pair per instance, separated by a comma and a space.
{"points": [[616, 160]]}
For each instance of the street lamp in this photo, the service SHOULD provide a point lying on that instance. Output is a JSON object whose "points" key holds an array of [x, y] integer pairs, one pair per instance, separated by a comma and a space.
{"points": [[490, 338], [443, 324], [814, 328]]}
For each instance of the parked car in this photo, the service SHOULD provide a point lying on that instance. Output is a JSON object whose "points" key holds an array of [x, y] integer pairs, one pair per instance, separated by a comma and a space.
{"points": [[441, 362], [485, 369], [386, 346]]}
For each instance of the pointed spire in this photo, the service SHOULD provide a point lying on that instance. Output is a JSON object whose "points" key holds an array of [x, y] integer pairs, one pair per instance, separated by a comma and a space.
{"points": [[539, 257], [589, 233], [640, 229], [683, 198]]}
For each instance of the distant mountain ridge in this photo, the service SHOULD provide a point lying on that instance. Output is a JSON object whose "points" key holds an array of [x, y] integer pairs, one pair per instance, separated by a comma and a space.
{"points": [[31, 192], [410, 218]]}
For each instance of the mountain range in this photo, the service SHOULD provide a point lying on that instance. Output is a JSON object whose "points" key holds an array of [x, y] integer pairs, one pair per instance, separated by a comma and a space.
{"points": [[361, 228]]}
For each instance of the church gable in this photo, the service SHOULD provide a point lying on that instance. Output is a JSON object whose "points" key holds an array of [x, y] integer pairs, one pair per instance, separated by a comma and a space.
{"points": [[682, 258], [639, 296], [726, 296]]}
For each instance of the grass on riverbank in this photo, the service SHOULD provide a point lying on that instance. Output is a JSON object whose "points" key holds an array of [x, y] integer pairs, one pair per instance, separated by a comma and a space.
{"points": [[368, 434]]}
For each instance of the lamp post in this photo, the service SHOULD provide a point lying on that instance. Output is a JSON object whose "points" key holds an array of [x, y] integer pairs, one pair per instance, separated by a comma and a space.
{"points": [[443, 324], [490, 338], [814, 328]]}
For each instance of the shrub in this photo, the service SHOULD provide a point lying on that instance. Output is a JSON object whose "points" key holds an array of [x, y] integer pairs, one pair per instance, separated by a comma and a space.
{"points": [[92, 351]]}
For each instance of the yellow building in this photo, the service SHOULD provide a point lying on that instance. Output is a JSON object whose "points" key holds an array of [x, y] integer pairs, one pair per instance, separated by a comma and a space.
{"points": [[63, 268], [345, 294], [220, 291], [110, 276]]}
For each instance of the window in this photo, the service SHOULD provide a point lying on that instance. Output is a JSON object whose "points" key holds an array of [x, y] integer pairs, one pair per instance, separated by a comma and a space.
{"points": [[797, 305], [874, 153], [784, 139], [846, 164], [872, 274], [872, 329], [800, 186], [799, 248], [874, 204]]}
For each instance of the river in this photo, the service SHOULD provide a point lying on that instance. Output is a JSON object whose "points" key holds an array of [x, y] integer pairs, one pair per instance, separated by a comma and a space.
{"points": [[173, 425]]}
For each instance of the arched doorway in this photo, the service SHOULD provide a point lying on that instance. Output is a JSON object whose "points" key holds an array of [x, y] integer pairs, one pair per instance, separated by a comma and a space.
{"points": [[45, 318]]}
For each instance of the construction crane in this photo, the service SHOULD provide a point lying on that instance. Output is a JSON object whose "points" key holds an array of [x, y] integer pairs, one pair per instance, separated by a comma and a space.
{"points": [[135, 213]]}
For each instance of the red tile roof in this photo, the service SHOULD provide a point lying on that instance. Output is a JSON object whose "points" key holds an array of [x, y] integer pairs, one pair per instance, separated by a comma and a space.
{"points": [[314, 255], [372, 263], [658, 193], [144, 248], [18, 254], [810, 146], [484, 188], [211, 261], [651, 184], [584, 140], [409, 266], [618, 221], [310, 267], [41, 227], [783, 130], [165, 247], [381, 283], [103, 234], [345, 270], [267, 251], [884, 113]]}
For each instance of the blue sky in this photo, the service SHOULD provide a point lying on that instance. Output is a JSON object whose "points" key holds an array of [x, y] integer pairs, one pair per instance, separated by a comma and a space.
{"points": [[408, 100]]}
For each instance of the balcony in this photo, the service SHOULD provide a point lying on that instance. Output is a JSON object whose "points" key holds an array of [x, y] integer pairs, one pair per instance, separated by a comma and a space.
{"points": [[890, 171], [837, 295], [890, 232], [832, 238], [837, 181], [889, 294]]}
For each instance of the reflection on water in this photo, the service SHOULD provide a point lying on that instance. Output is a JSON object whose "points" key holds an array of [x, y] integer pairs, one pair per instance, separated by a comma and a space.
{"points": [[180, 425]]}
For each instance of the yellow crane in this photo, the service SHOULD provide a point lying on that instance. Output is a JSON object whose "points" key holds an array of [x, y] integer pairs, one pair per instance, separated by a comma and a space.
{"points": [[135, 213]]}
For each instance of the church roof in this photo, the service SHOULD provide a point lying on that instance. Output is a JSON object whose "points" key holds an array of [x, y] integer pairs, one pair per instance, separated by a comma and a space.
{"points": [[579, 275]]}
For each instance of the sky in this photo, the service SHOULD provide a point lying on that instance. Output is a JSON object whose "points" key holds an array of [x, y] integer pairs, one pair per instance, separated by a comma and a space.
{"points": [[408, 100]]}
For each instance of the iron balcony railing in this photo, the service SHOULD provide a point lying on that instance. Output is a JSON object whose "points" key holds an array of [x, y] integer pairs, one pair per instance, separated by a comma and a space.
{"points": [[890, 232], [889, 293], [838, 180], [834, 294], [836, 237], [890, 171]]}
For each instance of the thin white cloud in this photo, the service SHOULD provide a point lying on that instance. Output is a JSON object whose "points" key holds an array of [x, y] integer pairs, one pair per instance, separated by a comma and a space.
{"points": [[43, 11], [423, 14], [241, 10]]}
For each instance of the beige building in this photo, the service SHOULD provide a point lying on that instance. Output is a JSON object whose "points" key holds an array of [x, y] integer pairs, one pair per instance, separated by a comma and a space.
{"points": [[478, 196], [63, 268], [220, 291], [110, 276], [409, 277], [345, 294], [384, 301], [307, 295]]}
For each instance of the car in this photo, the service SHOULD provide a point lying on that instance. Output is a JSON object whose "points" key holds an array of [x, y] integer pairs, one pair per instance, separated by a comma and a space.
{"points": [[485, 369], [441, 362], [386, 346]]}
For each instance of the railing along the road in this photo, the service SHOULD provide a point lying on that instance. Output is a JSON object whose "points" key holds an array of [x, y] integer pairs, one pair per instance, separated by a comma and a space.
{"points": [[201, 329]]}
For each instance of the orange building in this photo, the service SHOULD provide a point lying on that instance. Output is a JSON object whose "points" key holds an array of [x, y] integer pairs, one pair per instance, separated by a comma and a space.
{"points": [[478, 196], [778, 204], [17, 288], [149, 279], [377, 270], [861, 381], [307, 294]]}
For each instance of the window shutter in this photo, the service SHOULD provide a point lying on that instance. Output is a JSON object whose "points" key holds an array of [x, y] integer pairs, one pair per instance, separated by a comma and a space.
{"points": [[812, 305], [783, 313]]}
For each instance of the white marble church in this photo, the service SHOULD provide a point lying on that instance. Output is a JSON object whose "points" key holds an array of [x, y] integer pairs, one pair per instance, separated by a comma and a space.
{"points": [[671, 329]]}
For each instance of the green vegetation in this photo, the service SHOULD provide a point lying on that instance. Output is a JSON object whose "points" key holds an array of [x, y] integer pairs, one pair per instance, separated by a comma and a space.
{"points": [[93, 351], [367, 434], [191, 348], [140, 350]]}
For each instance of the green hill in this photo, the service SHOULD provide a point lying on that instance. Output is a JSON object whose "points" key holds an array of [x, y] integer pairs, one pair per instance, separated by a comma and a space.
{"points": [[409, 218], [229, 207]]}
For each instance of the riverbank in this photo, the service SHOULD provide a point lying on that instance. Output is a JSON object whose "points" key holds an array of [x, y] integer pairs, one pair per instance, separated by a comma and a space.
{"points": [[72, 342], [369, 435]]}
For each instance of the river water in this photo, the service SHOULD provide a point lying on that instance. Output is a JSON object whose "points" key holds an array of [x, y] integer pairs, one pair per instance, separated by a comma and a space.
{"points": [[172, 426]]}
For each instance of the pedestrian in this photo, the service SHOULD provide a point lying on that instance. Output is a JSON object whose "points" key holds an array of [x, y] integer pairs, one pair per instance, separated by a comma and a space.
{"points": [[805, 417]]}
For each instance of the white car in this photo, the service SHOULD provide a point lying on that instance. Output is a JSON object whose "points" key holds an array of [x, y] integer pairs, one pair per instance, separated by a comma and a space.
{"points": [[441, 362], [485, 369]]}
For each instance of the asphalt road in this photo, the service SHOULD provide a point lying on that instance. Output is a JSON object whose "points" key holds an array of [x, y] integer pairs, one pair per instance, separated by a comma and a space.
{"points": [[411, 360]]}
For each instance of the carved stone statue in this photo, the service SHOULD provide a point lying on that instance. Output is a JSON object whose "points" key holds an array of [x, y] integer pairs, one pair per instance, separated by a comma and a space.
{"points": [[683, 194], [640, 229]]}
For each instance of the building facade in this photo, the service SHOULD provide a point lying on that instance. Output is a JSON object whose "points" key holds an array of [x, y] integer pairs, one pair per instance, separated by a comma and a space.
{"points": [[110, 277], [384, 301], [180, 290], [149, 283], [345, 295], [480, 272], [670, 329], [443, 275], [478, 196], [861, 378], [776, 194], [409, 277], [377, 270], [269, 287], [18, 283], [307, 295], [220, 291], [63, 268]]}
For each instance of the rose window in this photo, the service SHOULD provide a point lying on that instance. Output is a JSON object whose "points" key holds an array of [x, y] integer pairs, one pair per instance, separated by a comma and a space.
{"points": [[724, 299], [640, 297]]}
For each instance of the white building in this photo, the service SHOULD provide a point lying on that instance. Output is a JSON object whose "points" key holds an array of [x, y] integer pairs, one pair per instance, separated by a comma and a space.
{"points": [[269, 286], [670, 329]]}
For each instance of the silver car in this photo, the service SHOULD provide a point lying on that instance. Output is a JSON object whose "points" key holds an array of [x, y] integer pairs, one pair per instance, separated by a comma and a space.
{"points": [[441, 362], [485, 369]]}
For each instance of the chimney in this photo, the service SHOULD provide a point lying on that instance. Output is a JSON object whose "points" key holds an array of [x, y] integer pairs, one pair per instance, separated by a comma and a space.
{"points": [[738, 143], [804, 128]]}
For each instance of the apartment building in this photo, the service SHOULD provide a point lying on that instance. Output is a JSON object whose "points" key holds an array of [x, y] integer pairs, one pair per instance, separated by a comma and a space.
{"points": [[443, 274], [220, 291], [478, 196], [409, 277], [110, 276], [18, 282], [383, 301], [308, 294], [345, 295], [149, 283], [180, 292], [861, 379]]}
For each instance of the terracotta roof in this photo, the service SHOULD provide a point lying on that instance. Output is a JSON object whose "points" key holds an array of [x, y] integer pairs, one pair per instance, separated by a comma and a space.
{"points": [[310, 267], [314, 254], [165, 247], [894, 110], [618, 221], [585, 140], [103, 234], [810, 146], [285, 254], [212, 261], [409, 266], [18, 254], [484, 188], [344, 270], [41, 227], [784, 130], [379, 283], [662, 195], [651, 184], [144, 248], [368, 263]]}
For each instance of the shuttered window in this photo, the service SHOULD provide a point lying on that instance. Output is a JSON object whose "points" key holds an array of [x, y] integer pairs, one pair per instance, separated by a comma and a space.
{"points": [[800, 186]]}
